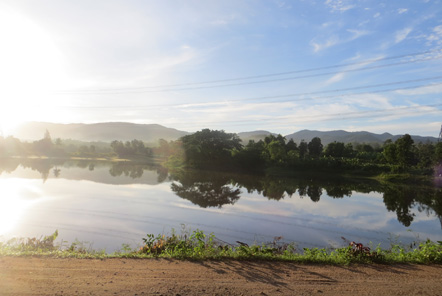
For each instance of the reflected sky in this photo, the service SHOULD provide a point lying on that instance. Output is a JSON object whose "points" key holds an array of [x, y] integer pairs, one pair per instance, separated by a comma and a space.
{"points": [[106, 212]]}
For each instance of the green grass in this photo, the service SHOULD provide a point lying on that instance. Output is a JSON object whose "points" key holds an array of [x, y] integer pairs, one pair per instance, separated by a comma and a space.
{"points": [[197, 245]]}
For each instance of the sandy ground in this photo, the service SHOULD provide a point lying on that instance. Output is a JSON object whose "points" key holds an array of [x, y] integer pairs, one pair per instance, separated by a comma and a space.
{"points": [[47, 276]]}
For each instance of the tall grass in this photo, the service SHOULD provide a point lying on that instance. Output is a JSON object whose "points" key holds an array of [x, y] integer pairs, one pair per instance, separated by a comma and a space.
{"points": [[196, 245]]}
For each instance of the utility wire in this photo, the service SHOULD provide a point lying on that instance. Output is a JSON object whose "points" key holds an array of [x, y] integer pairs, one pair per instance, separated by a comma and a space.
{"points": [[253, 82], [167, 86], [338, 116], [284, 96]]}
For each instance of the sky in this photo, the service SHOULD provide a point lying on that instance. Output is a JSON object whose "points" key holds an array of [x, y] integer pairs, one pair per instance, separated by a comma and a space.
{"points": [[279, 66]]}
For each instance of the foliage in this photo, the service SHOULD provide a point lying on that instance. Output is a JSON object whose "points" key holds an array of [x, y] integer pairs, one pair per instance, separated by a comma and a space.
{"points": [[197, 245], [130, 148], [218, 150], [315, 147], [208, 148]]}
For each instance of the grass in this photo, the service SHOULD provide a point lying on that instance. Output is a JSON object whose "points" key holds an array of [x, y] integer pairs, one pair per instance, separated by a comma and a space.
{"points": [[197, 245]]}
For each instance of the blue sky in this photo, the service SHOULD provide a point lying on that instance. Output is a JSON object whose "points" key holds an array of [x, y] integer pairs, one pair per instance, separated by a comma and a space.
{"points": [[273, 65]]}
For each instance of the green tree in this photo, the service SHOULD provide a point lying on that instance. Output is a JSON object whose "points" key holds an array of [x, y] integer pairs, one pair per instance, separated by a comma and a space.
{"points": [[291, 146], [426, 155], [335, 149], [208, 148], [390, 152], [43, 146], [303, 149], [405, 151], [438, 152], [315, 147]]}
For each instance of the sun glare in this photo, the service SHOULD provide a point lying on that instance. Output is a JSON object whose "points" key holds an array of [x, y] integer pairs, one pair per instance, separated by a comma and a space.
{"points": [[12, 204], [31, 65]]}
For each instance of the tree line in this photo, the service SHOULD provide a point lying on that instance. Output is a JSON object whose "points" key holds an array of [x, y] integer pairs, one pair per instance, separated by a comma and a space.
{"points": [[208, 149], [216, 149]]}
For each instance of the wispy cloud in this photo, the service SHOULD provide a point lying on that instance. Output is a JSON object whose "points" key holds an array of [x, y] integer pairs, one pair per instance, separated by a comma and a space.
{"points": [[425, 90], [373, 101], [335, 78], [282, 4], [339, 5], [335, 40], [225, 20], [436, 36], [402, 34], [402, 10], [321, 46], [357, 33]]}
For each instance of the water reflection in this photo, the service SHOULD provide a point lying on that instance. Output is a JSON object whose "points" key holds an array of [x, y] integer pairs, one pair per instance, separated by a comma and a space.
{"points": [[214, 189], [15, 198], [208, 189], [402, 199]]}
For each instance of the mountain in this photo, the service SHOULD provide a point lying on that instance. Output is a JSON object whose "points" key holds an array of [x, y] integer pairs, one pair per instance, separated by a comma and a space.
{"points": [[254, 135], [351, 137], [124, 131], [106, 131]]}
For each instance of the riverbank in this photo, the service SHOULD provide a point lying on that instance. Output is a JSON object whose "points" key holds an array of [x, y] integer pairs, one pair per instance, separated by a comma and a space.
{"points": [[52, 276]]}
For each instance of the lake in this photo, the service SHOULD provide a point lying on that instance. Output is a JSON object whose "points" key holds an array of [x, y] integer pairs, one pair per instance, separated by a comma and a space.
{"points": [[106, 204]]}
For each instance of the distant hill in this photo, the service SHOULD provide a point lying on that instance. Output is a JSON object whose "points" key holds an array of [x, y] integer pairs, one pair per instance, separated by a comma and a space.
{"points": [[124, 131], [351, 137], [106, 131], [255, 135]]}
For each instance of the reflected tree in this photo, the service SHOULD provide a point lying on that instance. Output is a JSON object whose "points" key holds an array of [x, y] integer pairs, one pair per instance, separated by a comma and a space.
{"points": [[205, 189], [400, 199], [314, 192], [56, 172], [128, 170], [163, 173], [8, 165]]}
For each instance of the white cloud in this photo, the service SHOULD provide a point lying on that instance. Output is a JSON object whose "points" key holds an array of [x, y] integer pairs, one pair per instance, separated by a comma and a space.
{"points": [[436, 36], [282, 4], [374, 101], [402, 34], [335, 40], [225, 20], [357, 33], [425, 90], [402, 10], [335, 78], [321, 46], [376, 15], [339, 5]]}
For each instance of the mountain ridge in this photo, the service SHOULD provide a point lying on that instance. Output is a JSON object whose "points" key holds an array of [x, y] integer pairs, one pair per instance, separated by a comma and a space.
{"points": [[103, 131], [126, 131]]}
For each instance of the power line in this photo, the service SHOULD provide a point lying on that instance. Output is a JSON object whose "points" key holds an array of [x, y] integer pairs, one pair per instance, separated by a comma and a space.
{"points": [[268, 75], [339, 116], [254, 82], [288, 95]]}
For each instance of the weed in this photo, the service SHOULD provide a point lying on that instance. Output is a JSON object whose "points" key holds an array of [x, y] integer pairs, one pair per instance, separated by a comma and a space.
{"points": [[196, 245]]}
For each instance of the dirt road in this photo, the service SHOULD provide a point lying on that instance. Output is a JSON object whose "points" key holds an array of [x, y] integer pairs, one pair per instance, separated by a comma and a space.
{"points": [[47, 276]]}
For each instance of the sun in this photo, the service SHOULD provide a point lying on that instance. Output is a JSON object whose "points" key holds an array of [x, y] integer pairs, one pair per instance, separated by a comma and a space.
{"points": [[31, 66], [13, 203]]}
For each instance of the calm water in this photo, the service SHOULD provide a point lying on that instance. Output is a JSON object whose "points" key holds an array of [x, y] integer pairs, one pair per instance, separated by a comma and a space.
{"points": [[108, 204]]}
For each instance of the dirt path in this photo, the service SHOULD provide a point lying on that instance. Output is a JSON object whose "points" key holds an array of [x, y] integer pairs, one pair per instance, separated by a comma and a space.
{"points": [[46, 276]]}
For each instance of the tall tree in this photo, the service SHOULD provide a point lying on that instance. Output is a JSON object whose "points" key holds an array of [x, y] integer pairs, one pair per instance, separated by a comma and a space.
{"points": [[315, 147], [405, 151], [210, 147]]}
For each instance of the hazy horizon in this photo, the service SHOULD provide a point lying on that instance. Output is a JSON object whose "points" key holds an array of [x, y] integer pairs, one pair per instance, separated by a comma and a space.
{"points": [[239, 66], [108, 131]]}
